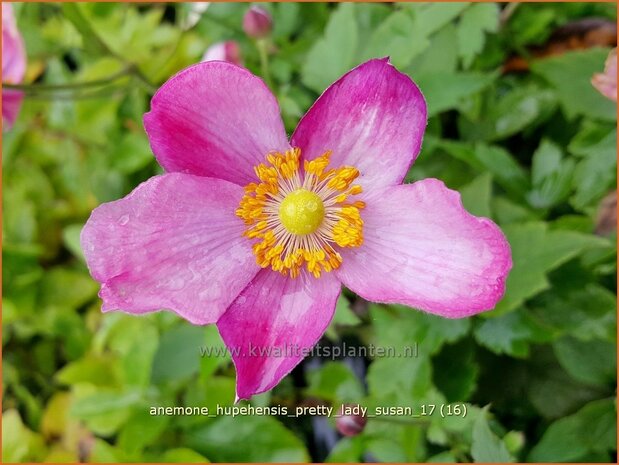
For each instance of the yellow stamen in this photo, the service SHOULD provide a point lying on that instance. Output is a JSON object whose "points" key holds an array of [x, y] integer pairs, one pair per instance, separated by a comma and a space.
{"points": [[299, 216]]}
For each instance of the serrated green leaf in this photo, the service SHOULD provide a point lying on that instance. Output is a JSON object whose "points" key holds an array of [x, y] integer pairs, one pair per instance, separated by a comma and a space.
{"points": [[475, 22]]}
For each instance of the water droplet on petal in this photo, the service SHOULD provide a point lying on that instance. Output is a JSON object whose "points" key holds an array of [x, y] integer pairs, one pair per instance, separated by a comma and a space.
{"points": [[123, 220]]}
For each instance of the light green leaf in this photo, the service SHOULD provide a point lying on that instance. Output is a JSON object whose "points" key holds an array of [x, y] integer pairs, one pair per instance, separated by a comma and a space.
{"points": [[19, 444], [397, 37], [487, 447], [178, 356], [474, 23], [183, 455], [476, 195], [334, 53], [336, 382], [445, 90], [430, 17]]}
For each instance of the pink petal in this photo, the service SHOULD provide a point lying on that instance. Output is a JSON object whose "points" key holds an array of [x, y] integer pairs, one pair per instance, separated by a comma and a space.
{"points": [[606, 83], [11, 104], [372, 118], [13, 51], [214, 119], [173, 243], [423, 249], [276, 313]]}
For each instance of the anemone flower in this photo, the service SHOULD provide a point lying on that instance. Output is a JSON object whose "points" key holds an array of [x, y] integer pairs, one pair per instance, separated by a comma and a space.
{"points": [[13, 65], [257, 233]]}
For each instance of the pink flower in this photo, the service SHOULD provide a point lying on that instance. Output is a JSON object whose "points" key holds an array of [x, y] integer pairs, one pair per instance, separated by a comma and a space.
{"points": [[229, 51], [258, 233], [13, 65], [257, 22], [606, 83]]}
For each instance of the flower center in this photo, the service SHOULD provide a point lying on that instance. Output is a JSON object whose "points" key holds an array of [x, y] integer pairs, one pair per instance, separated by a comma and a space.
{"points": [[301, 217], [301, 212]]}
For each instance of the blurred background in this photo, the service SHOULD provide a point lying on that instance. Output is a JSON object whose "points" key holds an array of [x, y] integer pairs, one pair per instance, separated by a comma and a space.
{"points": [[515, 125]]}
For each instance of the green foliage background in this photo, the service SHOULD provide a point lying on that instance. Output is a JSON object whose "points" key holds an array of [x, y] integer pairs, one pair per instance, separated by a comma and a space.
{"points": [[535, 151]]}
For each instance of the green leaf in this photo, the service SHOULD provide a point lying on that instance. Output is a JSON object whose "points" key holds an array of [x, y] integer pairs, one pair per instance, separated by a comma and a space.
{"points": [[334, 381], [586, 312], [178, 355], [476, 195], [570, 74], [141, 429], [535, 252], [509, 334], [255, 439], [19, 444], [554, 393], [513, 112], [396, 37], [103, 401], [402, 328], [183, 455], [71, 239], [474, 23], [444, 90], [592, 362], [430, 17], [94, 369], [344, 316], [346, 450], [334, 53], [131, 154], [551, 175], [592, 429], [487, 447], [496, 160], [596, 174], [64, 287]]}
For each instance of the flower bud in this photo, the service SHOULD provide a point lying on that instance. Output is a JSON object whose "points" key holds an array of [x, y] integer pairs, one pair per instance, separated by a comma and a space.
{"points": [[224, 51], [350, 425], [257, 22]]}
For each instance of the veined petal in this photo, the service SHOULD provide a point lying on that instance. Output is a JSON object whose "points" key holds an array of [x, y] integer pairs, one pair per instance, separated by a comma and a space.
{"points": [[13, 50], [423, 249], [173, 243], [372, 118], [272, 325], [215, 119]]}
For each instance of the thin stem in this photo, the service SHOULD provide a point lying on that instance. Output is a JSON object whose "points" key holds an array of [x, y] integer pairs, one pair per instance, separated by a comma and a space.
{"points": [[263, 45], [36, 88]]}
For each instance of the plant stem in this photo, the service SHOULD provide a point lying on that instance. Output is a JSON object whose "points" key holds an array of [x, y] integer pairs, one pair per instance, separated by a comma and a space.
{"points": [[262, 45], [37, 88]]}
